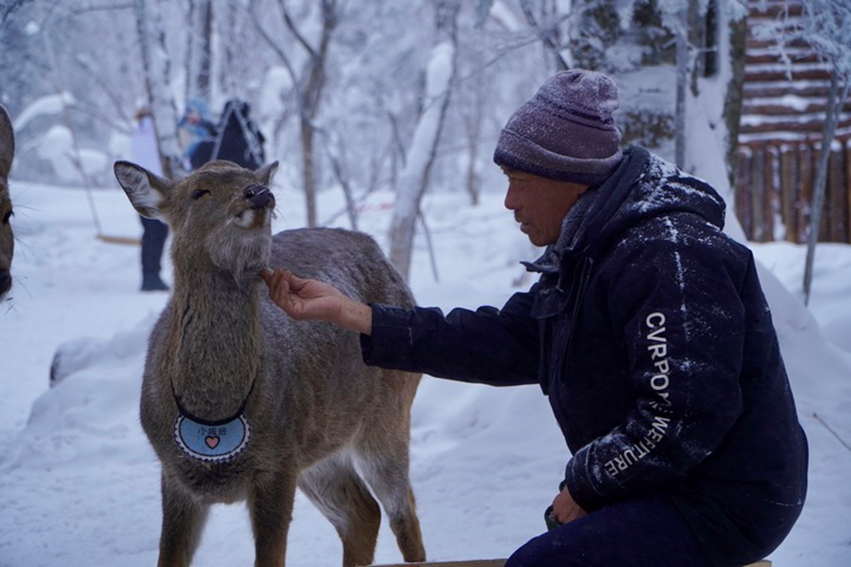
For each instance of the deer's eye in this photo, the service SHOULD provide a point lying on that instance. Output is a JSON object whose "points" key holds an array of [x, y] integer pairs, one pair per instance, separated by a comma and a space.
{"points": [[198, 193], [8, 216]]}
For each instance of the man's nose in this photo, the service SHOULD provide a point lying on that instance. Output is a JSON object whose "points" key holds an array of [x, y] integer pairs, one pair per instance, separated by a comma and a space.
{"points": [[511, 203]]}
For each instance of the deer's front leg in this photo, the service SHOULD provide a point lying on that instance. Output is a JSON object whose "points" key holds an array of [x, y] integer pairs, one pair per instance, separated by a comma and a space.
{"points": [[183, 522], [271, 504]]}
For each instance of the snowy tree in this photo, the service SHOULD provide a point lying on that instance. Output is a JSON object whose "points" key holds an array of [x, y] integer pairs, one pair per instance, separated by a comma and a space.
{"points": [[157, 68], [414, 180], [309, 83], [199, 49]]}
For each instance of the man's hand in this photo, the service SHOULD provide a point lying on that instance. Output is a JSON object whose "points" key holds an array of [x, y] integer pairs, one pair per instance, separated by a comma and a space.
{"points": [[311, 300], [565, 508]]}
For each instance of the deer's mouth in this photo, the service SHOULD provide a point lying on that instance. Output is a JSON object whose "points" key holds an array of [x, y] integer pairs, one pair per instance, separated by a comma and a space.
{"points": [[251, 218], [260, 203]]}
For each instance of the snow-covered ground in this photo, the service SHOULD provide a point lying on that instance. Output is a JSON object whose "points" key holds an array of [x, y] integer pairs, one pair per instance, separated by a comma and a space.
{"points": [[79, 484]]}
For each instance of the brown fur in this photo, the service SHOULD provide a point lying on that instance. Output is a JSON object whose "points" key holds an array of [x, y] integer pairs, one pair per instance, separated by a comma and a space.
{"points": [[316, 411], [7, 240]]}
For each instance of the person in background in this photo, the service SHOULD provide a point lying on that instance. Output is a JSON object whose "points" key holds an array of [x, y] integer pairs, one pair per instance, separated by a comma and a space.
{"points": [[647, 329], [235, 138], [239, 140], [145, 152], [196, 133]]}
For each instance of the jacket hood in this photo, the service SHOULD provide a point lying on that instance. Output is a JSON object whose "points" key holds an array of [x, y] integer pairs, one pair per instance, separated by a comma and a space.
{"points": [[643, 187]]}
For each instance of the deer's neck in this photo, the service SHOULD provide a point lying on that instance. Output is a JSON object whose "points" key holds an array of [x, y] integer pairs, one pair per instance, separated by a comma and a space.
{"points": [[214, 342]]}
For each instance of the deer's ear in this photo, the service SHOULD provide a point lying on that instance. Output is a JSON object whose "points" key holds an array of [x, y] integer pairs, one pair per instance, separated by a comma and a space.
{"points": [[145, 190], [7, 143], [267, 173]]}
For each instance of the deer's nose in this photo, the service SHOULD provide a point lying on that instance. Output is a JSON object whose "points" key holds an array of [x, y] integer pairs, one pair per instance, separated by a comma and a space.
{"points": [[259, 196]]}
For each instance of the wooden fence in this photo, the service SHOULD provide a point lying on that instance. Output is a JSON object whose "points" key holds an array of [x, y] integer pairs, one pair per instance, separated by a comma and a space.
{"points": [[784, 102], [774, 191]]}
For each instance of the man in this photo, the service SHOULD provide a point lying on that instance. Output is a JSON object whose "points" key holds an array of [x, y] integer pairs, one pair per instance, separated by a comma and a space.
{"points": [[647, 329]]}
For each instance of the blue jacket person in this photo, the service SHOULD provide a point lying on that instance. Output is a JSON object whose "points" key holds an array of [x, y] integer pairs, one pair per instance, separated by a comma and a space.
{"points": [[648, 331]]}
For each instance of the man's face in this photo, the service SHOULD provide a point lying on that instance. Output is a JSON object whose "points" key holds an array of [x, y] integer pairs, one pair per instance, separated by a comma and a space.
{"points": [[540, 204]]}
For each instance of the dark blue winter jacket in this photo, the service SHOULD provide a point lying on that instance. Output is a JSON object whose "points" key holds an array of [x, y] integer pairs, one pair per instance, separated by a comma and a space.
{"points": [[650, 334]]}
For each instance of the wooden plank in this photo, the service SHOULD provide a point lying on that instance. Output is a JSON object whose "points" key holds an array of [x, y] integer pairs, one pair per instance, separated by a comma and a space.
{"points": [[472, 563], [774, 10], [501, 563], [775, 107], [811, 124], [778, 74], [779, 89], [773, 57]]}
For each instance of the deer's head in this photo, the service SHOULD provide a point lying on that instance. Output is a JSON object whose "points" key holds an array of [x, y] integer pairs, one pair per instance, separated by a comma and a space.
{"points": [[7, 241], [220, 215]]}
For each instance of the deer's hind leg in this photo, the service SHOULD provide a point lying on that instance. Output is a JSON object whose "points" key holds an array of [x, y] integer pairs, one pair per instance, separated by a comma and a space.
{"points": [[335, 488], [183, 521], [383, 458]]}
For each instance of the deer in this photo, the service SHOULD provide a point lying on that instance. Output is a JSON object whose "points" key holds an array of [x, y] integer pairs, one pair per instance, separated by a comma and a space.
{"points": [[240, 403], [7, 239]]}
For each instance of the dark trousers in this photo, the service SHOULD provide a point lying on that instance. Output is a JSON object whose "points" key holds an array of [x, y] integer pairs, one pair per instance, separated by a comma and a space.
{"points": [[153, 241], [638, 533]]}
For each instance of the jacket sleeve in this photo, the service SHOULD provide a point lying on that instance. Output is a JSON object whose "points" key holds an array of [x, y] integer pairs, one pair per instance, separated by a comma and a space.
{"points": [[489, 346], [677, 300]]}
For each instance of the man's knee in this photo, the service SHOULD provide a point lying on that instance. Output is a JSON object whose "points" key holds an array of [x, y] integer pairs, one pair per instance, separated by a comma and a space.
{"points": [[547, 551]]}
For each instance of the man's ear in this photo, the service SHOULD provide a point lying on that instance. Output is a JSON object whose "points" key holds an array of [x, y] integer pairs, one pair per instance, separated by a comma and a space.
{"points": [[267, 173], [145, 190]]}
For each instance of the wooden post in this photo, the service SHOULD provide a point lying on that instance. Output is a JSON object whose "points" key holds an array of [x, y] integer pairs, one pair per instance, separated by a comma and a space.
{"points": [[806, 191], [758, 194], [771, 200], [836, 210], [824, 225], [847, 145], [744, 185], [789, 190]]}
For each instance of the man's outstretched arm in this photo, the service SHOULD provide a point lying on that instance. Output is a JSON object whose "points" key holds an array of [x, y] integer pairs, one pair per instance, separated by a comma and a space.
{"points": [[311, 300]]}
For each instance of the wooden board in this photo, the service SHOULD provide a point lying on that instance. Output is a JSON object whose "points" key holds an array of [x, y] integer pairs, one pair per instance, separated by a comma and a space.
{"points": [[129, 240], [499, 563], [473, 563]]}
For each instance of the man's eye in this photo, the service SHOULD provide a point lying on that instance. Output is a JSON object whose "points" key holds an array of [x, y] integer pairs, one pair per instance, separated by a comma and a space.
{"points": [[199, 193]]}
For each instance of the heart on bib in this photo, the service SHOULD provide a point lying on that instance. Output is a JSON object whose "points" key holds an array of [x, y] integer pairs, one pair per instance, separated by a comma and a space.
{"points": [[212, 442]]}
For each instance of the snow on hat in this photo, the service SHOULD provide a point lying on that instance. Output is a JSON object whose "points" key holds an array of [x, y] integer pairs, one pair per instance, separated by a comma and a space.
{"points": [[566, 131]]}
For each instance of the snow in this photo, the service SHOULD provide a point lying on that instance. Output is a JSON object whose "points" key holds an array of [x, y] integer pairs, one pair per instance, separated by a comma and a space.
{"points": [[79, 484], [50, 104], [57, 148]]}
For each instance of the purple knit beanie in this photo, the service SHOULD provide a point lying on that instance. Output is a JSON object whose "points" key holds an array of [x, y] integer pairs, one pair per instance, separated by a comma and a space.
{"points": [[566, 131]]}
